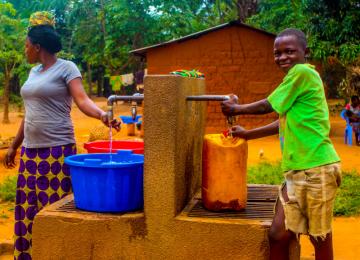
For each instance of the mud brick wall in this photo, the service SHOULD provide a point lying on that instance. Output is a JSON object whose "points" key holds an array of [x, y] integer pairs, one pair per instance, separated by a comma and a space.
{"points": [[234, 59]]}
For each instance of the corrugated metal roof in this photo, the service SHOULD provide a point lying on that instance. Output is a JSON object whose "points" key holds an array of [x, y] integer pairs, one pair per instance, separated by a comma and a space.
{"points": [[142, 51]]}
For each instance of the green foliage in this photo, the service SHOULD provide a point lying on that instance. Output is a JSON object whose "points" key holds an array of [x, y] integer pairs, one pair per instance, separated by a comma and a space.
{"points": [[15, 99], [333, 73], [332, 26], [11, 38], [8, 189], [347, 202], [265, 173], [98, 34], [276, 15]]}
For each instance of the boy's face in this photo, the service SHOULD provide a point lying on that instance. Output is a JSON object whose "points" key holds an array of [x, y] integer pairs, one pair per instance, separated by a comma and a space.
{"points": [[288, 52]]}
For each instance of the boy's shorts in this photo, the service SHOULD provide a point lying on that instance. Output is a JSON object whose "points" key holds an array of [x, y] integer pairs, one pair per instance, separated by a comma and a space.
{"points": [[311, 196]]}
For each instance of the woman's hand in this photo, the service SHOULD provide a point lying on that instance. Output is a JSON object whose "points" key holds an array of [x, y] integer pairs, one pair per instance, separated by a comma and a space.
{"points": [[104, 118], [9, 159]]}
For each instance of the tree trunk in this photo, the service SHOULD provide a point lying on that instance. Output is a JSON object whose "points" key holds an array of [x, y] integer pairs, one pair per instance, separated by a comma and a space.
{"points": [[89, 79], [246, 8], [100, 81], [15, 85], [6, 97]]}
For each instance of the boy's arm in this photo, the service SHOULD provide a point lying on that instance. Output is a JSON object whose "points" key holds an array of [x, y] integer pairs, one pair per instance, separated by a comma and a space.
{"points": [[270, 129], [230, 108]]}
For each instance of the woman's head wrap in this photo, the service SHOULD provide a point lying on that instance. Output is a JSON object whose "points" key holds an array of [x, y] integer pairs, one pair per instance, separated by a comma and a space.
{"points": [[41, 18], [42, 31]]}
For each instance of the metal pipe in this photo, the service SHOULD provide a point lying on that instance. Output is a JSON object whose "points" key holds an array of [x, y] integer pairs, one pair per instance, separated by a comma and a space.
{"points": [[113, 98], [208, 98], [230, 119]]}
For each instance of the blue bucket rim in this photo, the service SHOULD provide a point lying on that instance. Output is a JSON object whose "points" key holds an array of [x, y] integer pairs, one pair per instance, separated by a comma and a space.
{"points": [[129, 120], [98, 163]]}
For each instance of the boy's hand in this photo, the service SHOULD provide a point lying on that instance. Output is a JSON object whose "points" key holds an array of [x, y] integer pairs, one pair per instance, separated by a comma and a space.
{"points": [[228, 107], [238, 131]]}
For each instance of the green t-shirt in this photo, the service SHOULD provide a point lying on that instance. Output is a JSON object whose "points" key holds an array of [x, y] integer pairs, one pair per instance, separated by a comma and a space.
{"points": [[304, 120]]}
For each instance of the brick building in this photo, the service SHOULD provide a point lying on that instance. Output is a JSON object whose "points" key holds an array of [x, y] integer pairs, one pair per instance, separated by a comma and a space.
{"points": [[234, 57]]}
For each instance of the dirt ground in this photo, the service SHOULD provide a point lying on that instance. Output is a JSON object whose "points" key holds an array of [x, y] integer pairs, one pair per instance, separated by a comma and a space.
{"points": [[346, 230]]}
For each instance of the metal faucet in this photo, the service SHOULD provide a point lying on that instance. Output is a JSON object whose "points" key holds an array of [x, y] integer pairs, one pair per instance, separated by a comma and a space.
{"points": [[208, 98], [135, 99], [230, 119]]}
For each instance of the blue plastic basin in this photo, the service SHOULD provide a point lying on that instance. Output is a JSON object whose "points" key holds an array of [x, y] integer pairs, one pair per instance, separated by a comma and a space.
{"points": [[129, 120], [102, 186]]}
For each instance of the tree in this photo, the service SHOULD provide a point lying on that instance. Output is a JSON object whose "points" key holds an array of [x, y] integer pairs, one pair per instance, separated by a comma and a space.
{"points": [[12, 38], [332, 28]]}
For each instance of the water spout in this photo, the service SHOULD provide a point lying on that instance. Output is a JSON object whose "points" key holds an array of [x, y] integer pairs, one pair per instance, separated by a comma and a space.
{"points": [[230, 119], [113, 98], [208, 98]]}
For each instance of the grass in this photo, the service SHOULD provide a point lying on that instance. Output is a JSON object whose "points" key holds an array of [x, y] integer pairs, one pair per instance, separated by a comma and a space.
{"points": [[347, 202], [8, 189], [265, 173], [4, 216]]}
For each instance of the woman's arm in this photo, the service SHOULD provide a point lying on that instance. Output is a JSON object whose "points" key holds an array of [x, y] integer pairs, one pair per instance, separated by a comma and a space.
{"points": [[87, 106], [9, 160], [84, 103], [270, 129]]}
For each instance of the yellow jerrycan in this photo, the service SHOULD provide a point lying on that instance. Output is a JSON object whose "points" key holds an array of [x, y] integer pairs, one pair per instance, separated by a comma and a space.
{"points": [[224, 173]]}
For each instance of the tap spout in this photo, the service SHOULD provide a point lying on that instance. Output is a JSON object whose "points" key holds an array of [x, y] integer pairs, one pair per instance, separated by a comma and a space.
{"points": [[208, 98], [113, 98], [230, 119]]}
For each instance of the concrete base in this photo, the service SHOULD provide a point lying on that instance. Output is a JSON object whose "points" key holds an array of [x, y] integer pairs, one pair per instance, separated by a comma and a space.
{"points": [[73, 234], [63, 232]]}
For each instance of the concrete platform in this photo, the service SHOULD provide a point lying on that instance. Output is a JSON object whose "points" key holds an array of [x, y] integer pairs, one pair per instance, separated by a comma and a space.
{"points": [[63, 232]]}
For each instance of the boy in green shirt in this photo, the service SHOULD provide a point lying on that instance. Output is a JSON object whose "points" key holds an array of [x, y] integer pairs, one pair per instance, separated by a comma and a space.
{"points": [[310, 163]]}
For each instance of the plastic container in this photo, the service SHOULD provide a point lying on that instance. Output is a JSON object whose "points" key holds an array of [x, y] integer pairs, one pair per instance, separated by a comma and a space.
{"points": [[130, 123], [129, 119], [103, 186], [136, 147], [130, 129], [224, 173]]}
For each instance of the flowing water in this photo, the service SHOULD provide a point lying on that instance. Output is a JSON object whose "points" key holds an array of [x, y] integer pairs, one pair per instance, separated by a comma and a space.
{"points": [[110, 143]]}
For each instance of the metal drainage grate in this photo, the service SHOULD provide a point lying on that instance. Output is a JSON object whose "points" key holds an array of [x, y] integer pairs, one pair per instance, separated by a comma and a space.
{"points": [[260, 205]]}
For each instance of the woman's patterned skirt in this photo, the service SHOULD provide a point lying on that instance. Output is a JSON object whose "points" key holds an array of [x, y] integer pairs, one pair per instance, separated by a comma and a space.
{"points": [[43, 179]]}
